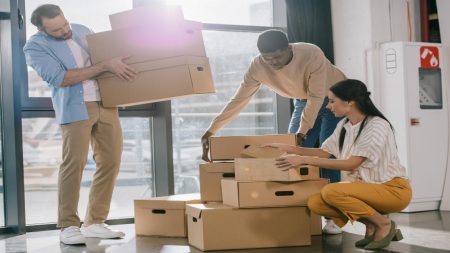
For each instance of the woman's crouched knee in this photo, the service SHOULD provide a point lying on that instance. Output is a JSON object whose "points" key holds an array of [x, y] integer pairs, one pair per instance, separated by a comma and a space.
{"points": [[315, 203]]}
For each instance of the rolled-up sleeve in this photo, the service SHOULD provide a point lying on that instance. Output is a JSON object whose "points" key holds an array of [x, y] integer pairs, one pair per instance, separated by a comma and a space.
{"points": [[49, 68]]}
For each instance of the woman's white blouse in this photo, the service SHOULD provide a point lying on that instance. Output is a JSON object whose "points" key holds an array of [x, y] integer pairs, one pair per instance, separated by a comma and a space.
{"points": [[376, 142]]}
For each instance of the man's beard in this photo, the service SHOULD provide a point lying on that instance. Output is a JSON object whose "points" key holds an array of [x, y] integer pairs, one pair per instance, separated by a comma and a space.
{"points": [[64, 36]]}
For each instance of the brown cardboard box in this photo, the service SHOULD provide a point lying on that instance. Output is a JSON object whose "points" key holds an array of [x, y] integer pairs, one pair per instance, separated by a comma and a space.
{"points": [[245, 194], [316, 223], [254, 151], [210, 176], [264, 169], [143, 44], [218, 227], [157, 81], [150, 15], [163, 216], [229, 147]]}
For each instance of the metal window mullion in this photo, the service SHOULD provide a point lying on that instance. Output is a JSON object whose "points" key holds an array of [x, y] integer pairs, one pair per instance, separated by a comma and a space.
{"points": [[13, 72]]}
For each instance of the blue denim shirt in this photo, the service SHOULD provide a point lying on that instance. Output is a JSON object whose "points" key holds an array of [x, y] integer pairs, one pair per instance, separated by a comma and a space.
{"points": [[51, 59]]}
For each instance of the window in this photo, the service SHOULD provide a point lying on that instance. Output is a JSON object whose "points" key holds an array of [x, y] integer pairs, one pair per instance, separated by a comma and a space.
{"points": [[95, 17], [243, 12], [2, 211], [42, 156], [230, 54]]}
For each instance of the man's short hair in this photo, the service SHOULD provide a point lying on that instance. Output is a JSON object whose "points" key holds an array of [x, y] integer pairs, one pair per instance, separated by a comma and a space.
{"points": [[45, 10], [272, 40]]}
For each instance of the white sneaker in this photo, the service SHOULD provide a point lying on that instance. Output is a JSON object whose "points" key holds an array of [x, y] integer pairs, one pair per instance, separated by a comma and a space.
{"points": [[331, 228], [101, 231], [72, 235]]}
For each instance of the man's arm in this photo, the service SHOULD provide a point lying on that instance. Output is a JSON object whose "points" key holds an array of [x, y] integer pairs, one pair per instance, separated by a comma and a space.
{"points": [[316, 93], [115, 65], [241, 98]]}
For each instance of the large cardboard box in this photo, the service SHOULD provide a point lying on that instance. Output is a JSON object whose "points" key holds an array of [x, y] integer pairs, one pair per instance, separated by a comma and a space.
{"points": [[210, 176], [149, 16], [264, 169], [230, 147], [219, 227], [143, 44], [163, 216], [316, 223], [247, 194], [158, 80]]}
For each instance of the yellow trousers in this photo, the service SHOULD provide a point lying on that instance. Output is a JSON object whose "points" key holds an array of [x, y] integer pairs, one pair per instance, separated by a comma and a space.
{"points": [[354, 200], [103, 131]]}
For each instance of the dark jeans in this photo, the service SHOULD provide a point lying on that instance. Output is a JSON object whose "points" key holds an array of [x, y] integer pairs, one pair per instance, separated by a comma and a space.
{"points": [[323, 127]]}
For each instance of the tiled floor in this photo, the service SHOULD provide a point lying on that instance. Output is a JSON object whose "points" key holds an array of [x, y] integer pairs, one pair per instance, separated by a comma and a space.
{"points": [[424, 232]]}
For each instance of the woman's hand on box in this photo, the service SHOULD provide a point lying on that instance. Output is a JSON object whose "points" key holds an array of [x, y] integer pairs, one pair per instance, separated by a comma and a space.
{"points": [[289, 161]]}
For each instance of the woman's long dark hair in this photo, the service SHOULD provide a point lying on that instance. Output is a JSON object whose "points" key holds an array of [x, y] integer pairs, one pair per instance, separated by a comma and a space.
{"points": [[355, 90]]}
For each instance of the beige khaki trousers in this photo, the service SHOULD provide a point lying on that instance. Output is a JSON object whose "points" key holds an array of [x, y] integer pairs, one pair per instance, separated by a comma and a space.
{"points": [[103, 131]]}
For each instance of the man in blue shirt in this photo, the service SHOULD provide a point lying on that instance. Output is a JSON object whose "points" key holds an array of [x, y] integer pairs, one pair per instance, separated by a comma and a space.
{"points": [[59, 54]]}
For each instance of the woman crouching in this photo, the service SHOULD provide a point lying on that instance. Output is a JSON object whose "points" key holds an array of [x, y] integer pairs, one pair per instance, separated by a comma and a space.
{"points": [[364, 145]]}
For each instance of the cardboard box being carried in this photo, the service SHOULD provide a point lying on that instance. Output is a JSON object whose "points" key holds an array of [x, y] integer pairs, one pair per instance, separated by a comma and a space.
{"points": [[163, 216], [170, 60], [245, 194], [149, 16], [157, 81], [219, 227], [230, 147], [210, 176]]}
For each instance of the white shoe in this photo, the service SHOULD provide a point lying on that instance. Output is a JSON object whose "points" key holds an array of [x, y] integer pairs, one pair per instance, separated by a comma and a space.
{"points": [[331, 228], [101, 231], [72, 235]]}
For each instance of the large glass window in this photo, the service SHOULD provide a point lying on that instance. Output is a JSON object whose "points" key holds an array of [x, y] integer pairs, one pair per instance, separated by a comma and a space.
{"points": [[230, 54], [2, 211], [243, 12], [96, 17], [42, 155]]}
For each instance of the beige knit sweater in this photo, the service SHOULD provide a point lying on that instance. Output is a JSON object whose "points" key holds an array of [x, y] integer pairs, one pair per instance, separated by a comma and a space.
{"points": [[308, 76]]}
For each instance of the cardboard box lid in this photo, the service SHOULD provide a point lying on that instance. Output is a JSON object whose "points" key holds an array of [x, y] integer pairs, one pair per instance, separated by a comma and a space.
{"points": [[220, 167], [229, 147], [142, 43], [255, 151], [163, 63], [195, 210], [149, 15], [173, 202]]}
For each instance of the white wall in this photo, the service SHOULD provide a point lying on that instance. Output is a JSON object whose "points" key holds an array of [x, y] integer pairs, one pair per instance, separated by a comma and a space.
{"points": [[359, 26]]}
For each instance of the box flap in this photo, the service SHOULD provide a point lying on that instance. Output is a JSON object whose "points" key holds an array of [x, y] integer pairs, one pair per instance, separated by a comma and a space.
{"points": [[144, 44], [195, 210], [254, 151], [149, 15], [174, 202]]}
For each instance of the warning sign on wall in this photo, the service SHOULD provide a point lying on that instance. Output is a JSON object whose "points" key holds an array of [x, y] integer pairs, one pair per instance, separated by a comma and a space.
{"points": [[429, 57]]}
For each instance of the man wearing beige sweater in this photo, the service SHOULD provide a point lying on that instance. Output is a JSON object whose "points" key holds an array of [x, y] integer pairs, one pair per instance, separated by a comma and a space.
{"points": [[298, 71]]}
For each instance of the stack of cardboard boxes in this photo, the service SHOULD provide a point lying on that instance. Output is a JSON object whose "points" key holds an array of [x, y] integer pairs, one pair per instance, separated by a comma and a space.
{"points": [[166, 50], [261, 206]]}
